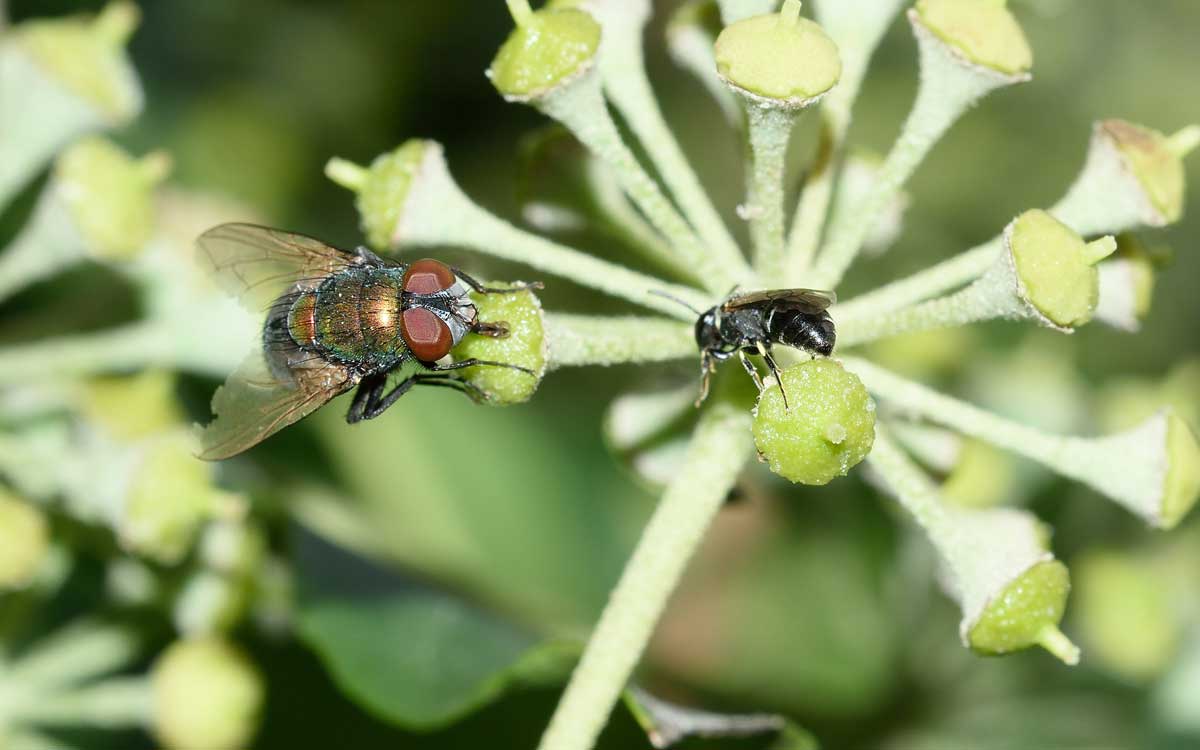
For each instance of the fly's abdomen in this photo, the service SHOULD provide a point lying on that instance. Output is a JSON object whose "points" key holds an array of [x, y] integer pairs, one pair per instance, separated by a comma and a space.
{"points": [[356, 317]]}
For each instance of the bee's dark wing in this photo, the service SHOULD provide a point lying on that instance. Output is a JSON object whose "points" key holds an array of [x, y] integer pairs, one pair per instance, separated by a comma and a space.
{"points": [[808, 300], [254, 403], [258, 264]]}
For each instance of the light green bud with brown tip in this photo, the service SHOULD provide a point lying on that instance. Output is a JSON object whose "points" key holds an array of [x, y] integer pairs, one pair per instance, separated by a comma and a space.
{"points": [[1055, 268], [207, 696], [1027, 613], [826, 429], [524, 346], [381, 189], [24, 540], [781, 58], [547, 50], [982, 31], [1156, 160], [86, 55], [110, 196]]}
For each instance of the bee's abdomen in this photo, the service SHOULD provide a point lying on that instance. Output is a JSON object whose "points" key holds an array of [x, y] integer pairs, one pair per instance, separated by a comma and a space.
{"points": [[814, 333], [356, 317]]}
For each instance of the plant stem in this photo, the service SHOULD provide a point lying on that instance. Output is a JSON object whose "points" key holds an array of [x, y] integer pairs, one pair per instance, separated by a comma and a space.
{"points": [[719, 449], [46, 245], [949, 86], [770, 132], [576, 340], [623, 68]]}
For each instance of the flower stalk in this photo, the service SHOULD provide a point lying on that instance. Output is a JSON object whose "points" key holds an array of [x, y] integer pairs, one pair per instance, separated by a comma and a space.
{"points": [[950, 84], [582, 340], [719, 449]]}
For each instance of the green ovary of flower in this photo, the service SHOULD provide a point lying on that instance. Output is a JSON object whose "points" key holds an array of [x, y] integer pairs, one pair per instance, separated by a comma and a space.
{"points": [[384, 191], [779, 58], [1025, 613], [110, 196], [23, 541], [984, 31], [547, 49], [1183, 474], [1153, 162], [827, 428], [207, 696], [87, 56], [1053, 265], [525, 346]]}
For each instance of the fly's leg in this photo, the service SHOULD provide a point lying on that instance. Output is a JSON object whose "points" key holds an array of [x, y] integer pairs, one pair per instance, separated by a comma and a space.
{"points": [[766, 354], [370, 401], [471, 282], [476, 362], [750, 369], [497, 330]]}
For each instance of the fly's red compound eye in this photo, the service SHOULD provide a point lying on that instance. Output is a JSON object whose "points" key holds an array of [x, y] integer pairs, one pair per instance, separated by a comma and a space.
{"points": [[427, 276], [427, 336]]}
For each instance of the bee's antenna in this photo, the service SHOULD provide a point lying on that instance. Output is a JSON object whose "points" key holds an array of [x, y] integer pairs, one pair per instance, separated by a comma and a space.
{"points": [[673, 298]]}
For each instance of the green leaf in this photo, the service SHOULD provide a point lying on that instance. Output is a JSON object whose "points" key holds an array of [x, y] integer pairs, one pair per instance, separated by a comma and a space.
{"points": [[411, 654]]}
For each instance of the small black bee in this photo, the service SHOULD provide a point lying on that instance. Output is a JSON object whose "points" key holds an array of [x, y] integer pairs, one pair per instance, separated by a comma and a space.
{"points": [[749, 323]]}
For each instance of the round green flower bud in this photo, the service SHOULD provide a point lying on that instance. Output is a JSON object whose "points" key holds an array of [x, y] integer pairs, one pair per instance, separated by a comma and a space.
{"points": [[1182, 486], [1027, 614], [983, 31], [779, 57], [827, 428], [1156, 160], [110, 196], [547, 50], [382, 188], [170, 496], [525, 346], [24, 539], [1126, 615], [207, 696], [86, 56], [1056, 268], [135, 406]]}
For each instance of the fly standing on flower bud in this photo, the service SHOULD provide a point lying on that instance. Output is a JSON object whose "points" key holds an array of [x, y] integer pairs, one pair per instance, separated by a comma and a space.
{"points": [[750, 323], [334, 320]]}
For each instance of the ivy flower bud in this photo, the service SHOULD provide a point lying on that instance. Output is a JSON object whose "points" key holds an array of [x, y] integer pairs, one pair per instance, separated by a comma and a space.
{"points": [[24, 541], [66, 77], [1157, 162], [1027, 613], [207, 696], [110, 196], [99, 205], [381, 190], [547, 50], [1055, 268], [135, 406], [524, 346], [983, 31], [778, 59], [826, 429]]}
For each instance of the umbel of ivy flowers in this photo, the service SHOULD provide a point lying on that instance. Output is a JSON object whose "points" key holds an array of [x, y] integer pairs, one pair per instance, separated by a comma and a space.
{"points": [[769, 67]]}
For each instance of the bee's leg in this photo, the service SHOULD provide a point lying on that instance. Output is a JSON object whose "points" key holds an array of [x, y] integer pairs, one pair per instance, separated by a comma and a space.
{"points": [[766, 354], [475, 362], [750, 369], [471, 282], [707, 366]]}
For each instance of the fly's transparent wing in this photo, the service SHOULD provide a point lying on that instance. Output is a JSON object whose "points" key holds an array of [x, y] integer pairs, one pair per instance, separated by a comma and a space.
{"points": [[254, 403], [258, 264], [808, 300]]}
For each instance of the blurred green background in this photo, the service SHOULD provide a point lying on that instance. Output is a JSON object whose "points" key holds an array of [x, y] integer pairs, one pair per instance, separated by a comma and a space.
{"points": [[820, 604]]}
